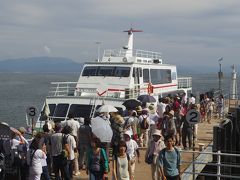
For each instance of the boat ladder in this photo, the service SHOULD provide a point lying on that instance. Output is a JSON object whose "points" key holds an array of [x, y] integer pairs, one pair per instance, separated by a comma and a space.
{"points": [[93, 103]]}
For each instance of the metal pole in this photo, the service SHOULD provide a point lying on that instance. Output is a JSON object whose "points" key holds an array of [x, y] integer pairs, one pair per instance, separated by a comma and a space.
{"points": [[32, 126], [218, 165], [193, 155], [98, 55], [220, 75]]}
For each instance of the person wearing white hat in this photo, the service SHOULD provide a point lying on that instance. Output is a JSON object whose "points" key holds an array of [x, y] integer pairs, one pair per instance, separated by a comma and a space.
{"points": [[155, 146], [132, 151], [153, 119]]}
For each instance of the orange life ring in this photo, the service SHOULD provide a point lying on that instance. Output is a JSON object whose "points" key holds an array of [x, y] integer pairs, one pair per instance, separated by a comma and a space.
{"points": [[150, 88]]}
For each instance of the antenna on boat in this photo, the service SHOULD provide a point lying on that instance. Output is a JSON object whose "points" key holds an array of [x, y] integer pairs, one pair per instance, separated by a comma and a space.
{"points": [[129, 47], [98, 52], [220, 75], [233, 93]]}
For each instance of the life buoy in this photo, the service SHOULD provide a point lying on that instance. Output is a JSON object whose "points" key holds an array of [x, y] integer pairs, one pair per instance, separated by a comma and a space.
{"points": [[150, 88]]}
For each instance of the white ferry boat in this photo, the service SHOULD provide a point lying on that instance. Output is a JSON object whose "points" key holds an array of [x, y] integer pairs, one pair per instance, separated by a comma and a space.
{"points": [[119, 75]]}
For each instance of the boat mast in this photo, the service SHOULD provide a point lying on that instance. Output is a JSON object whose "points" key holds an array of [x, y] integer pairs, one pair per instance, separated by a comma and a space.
{"points": [[129, 47], [234, 83]]}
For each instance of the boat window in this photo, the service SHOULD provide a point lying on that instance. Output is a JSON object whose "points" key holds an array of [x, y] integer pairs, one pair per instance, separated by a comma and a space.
{"points": [[106, 71], [160, 76], [90, 71], [60, 112], [51, 108], [80, 110], [122, 71], [174, 75], [146, 76]]}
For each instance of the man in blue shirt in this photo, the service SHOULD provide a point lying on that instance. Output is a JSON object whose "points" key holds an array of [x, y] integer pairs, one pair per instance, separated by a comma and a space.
{"points": [[169, 160]]}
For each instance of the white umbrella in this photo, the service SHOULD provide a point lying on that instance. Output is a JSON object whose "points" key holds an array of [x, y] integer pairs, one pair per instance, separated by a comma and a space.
{"points": [[45, 112], [107, 108], [101, 129], [46, 109]]}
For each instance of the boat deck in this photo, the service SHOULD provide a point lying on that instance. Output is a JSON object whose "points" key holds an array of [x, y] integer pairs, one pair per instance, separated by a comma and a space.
{"points": [[143, 170]]}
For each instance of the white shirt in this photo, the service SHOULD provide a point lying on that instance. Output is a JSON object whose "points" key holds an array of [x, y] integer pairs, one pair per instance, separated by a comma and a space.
{"points": [[74, 125], [72, 145], [192, 100], [184, 100], [153, 118], [129, 122], [161, 109], [36, 166], [132, 146]]}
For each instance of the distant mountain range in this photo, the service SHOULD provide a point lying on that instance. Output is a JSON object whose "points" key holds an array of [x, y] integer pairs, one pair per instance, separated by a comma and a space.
{"points": [[59, 64], [40, 64]]}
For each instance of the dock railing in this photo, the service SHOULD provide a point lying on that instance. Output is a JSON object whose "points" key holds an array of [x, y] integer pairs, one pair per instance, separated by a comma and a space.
{"points": [[184, 82], [206, 158]]}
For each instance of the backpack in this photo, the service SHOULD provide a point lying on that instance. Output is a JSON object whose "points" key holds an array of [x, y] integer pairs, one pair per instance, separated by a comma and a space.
{"points": [[176, 150], [144, 123]]}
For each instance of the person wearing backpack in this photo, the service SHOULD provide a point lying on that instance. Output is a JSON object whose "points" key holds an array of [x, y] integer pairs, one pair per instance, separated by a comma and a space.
{"points": [[144, 127], [169, 160], [121, 163]]}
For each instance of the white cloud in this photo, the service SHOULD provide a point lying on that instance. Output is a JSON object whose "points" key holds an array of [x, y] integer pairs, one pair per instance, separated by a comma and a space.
{"points": [[47, 50], [186, 29]]}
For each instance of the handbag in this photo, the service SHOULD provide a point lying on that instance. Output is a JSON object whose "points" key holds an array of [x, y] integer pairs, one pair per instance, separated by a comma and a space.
{"points": [[149, 159], [64, 153]]}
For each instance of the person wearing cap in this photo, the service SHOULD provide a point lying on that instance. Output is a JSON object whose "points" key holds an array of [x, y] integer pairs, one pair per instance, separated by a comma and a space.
{"points": [[132, 151], [168, 124], [117, 128], [153, 119], [144, 128], [131, 123], [155, 146]]}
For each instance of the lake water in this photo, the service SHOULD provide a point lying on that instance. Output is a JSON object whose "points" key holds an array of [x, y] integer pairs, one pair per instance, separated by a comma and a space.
{"points": [[20, 90]]}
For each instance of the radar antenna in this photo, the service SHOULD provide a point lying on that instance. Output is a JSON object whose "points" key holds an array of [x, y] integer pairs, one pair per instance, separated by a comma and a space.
{"points": [[129, 47]]}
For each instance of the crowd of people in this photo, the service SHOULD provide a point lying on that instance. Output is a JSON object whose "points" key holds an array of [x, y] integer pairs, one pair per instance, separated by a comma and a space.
{"points": [[63, 149]]}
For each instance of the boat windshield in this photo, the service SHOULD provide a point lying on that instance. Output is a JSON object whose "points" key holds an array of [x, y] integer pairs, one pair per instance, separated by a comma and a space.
{"points": [[113, 71]]}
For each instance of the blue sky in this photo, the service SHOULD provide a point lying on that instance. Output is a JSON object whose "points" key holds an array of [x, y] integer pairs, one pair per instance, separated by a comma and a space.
{"points": [[188, 32]]}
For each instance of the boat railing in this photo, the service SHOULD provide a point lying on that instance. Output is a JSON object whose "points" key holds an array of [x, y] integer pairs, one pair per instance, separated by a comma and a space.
{"points": [[136, 53], [212, 159], [76, 89], [62, 88], [184, 82]]}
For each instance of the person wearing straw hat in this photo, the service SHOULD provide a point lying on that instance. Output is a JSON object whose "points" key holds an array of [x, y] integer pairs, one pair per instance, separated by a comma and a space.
{"points": [[168, 125], [117, 128], [155, 146], [153, 119]]}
